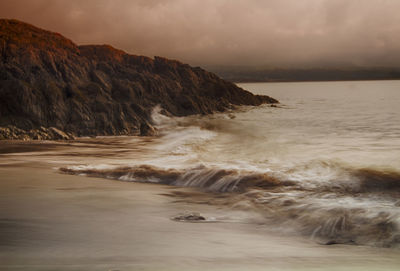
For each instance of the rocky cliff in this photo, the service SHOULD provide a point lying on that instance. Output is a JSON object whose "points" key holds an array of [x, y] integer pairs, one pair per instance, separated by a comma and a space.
{"points": [[53, 88]]}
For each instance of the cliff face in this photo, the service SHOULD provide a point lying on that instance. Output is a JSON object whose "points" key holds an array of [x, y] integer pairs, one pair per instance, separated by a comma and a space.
{"points": [[48, 81]]}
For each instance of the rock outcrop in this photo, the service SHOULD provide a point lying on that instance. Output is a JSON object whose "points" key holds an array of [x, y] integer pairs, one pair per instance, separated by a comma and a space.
{"points": [[42, 133], [48, 81]]}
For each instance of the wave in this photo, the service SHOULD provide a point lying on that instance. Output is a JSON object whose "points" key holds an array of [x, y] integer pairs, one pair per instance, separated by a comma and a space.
{"points": [[353, 206], [377, 180], [210, 179], [345, 180]]}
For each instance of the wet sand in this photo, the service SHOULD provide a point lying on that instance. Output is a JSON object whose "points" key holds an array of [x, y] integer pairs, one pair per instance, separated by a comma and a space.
{"points": [[51, 221]]}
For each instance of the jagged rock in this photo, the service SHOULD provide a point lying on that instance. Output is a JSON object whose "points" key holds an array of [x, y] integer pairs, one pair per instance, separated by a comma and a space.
{"points": [[48, 81], [57, 134], [4, 133], [14, 133], [147, 129]]}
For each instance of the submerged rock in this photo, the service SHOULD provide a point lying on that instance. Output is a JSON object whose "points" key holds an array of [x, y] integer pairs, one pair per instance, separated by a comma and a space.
{"points": [[189, 217], [339, 242], [46, 80]]}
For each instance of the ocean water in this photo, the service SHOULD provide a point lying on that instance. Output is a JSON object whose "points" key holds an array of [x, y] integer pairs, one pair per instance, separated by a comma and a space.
{"points": [[324, 163]]}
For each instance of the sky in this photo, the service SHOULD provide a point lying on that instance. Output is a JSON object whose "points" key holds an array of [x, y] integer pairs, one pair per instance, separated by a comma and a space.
{"points": [[271, 33]]}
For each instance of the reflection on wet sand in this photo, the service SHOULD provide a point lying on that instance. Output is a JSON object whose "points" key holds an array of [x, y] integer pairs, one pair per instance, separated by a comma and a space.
{"points": [[52, 221]]}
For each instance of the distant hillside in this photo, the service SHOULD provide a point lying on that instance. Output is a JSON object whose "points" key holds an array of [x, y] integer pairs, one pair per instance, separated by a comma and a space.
{"points": [[252, 74], [47, 81]]}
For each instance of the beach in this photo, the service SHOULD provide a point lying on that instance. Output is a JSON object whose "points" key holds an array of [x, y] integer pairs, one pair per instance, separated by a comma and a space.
{"points": [[53, 221]]}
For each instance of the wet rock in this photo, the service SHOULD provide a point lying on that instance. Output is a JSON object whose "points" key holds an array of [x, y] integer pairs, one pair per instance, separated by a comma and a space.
{"points": [[146, 129], [189, 217], [288, 202], [48, 81], [14, 133], [58, 134], [339, 242]]}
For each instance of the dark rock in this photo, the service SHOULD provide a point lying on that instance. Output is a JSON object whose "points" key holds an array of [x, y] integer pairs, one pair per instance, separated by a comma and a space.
{"points": [[189, 217], [47, 80], [331, 242], [339, 242], [147, 129]]}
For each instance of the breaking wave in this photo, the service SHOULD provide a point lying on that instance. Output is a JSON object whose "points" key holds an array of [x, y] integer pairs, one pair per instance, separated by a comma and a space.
{"points": [[210, 179], [345, 181], [324, 165], [362, 207]]}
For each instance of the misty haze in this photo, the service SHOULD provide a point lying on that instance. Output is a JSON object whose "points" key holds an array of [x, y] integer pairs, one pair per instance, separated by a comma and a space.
{"points": [[271, 33]]}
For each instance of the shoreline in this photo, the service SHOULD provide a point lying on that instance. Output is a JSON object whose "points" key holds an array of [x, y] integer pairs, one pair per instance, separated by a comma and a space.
{"points": [[55, 221], [316, 81]]}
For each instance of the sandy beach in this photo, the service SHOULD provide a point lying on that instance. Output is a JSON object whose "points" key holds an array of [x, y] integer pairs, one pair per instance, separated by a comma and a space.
{"points": [[53, 221]]}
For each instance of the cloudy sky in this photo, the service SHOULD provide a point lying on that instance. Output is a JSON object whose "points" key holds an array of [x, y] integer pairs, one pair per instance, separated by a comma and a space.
{"points": [[274, 33]]}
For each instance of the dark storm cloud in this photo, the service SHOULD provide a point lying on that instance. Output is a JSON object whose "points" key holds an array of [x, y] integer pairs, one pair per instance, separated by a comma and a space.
{"points": [[225, 32]]}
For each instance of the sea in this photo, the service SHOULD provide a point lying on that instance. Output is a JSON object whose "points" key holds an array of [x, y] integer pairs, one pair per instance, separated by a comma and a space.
{"points": [[323, 163]]}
